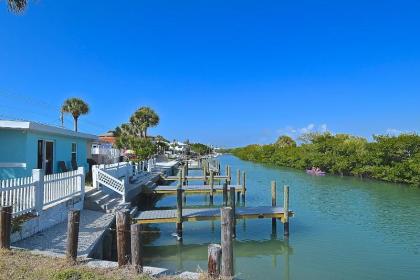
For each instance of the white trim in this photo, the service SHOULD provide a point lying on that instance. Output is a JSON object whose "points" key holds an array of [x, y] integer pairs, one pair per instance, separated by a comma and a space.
{"points": [[37, 127], [12, 165]]}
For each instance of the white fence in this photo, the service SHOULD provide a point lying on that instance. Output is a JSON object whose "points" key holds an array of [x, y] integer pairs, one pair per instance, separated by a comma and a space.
{"points": [[115, 176], [38, 191]]}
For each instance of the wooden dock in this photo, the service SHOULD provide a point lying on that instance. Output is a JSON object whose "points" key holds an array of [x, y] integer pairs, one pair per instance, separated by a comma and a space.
{"points": [[196, 189], [195, 178], [208, 214]]}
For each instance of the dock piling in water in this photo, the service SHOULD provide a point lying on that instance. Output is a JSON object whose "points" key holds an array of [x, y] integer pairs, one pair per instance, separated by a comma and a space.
{"points": [[225, 194], [233, 206], [286, 211], [274, 204], [179, 212], [243, 187], [211, 187]]}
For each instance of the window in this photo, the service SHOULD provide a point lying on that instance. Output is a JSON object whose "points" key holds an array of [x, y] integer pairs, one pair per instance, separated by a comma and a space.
{"points": [[73, 151]]}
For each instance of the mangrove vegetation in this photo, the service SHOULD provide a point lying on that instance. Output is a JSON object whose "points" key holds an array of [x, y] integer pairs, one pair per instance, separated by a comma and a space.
{"points": [[388, 158]]}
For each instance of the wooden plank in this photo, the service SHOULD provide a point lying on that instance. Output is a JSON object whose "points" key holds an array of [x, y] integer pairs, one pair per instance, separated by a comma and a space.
{"points": [[205, 214], [191, 189]]}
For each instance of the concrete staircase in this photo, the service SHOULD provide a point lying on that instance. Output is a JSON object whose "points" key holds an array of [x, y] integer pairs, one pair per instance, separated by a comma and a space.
{"points": [[103, 200]]}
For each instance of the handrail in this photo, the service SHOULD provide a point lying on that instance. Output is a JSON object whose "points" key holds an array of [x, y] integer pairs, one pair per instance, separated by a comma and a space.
{"points": [[110, 182]]}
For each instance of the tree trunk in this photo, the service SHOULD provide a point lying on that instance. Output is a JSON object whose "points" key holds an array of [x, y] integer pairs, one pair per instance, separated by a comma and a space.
{"points": [[145, 133], [75, 123]]}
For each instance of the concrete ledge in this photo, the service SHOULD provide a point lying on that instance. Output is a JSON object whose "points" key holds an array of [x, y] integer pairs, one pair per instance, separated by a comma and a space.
{"points": [[48, 217]]}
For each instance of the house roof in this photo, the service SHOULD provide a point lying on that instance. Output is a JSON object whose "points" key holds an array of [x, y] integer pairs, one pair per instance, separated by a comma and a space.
{"points": [[38, 127]]}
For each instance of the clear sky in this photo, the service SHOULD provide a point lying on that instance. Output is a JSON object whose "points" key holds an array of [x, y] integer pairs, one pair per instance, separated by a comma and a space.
{"points": [[223, 72]]}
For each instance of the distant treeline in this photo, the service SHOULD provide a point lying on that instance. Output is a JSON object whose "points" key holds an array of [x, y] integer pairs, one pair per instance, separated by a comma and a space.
{"points": [[388, 158], [201, 149]]}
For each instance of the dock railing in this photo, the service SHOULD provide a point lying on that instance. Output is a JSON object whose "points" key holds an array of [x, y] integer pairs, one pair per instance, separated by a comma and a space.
{"points": [[40, 191]]}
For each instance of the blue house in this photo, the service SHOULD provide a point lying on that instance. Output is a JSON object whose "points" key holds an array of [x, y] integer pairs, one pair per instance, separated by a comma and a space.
{"points": [[26, 145]]}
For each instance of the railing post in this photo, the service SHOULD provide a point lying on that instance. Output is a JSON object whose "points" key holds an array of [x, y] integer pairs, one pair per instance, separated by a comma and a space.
{"points": [[81, 183], [38, 177], [95, 176]]}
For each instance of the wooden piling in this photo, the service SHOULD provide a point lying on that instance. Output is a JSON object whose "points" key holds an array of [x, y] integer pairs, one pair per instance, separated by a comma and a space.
{"points": [[123, 237], [73, 223], [286, 211], [136, 248], [5, 226], [243, 187], [179, 212], [273, 203], [225, 194], [227, 241], [211, 187], [233, 206], [238, 182], [214, 259], [229, 175]]}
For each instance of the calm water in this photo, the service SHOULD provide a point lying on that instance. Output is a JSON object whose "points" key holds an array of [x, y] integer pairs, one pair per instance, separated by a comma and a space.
{"points": [[344, 228]]}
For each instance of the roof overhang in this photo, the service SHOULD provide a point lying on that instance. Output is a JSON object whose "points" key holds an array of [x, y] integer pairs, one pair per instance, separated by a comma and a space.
{"points": [[37, 127]]}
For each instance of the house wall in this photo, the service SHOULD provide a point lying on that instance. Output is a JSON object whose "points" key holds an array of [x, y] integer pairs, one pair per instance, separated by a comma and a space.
{"points": [[20, 146], [62, 149], [12, 150]]}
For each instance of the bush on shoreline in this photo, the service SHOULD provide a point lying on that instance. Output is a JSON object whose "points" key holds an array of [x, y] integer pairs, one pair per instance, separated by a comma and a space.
{"points": [[388, 158]]}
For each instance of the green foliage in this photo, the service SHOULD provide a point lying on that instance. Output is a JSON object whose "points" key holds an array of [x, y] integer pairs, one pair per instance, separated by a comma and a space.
{"points": [[143, 147], [76, 107], [201, 149], [285, 141], [388, 158]]}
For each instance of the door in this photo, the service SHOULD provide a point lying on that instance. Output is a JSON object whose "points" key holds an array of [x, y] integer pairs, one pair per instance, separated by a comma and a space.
{"points": [[40, 155], [49, 157]]}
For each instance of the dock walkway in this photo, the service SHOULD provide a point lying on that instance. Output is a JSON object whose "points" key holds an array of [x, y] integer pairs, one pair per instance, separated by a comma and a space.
{"points": [[205, 214], [195, 189]]}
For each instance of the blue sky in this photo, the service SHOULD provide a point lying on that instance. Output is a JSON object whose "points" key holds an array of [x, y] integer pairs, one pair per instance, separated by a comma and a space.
{"points": [[223, 72]]}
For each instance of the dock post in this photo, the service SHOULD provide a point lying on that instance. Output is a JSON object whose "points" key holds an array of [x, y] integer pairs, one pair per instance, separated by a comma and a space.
{"points": [[179, 212], [5, 226], [274, 204], [233, 206], [286, 211], [238, 182], [225, 194], [229, 175], [211, 187], [243, 187], [227, 241], [123, 237], [136, 248], [73, 223], [214, 258]]}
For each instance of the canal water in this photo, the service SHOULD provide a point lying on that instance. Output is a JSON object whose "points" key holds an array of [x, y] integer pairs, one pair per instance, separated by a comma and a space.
{"points": [[344, 228]]}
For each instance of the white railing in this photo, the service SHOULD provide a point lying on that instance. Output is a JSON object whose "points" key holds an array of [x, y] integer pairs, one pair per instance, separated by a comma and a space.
{"points": [[107, 180], [18, 193], [39, 191], [60, 186]]}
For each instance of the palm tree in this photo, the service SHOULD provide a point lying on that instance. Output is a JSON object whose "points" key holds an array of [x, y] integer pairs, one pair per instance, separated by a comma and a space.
{"points": [[17, 6], [144, 118], [76, 107]]}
